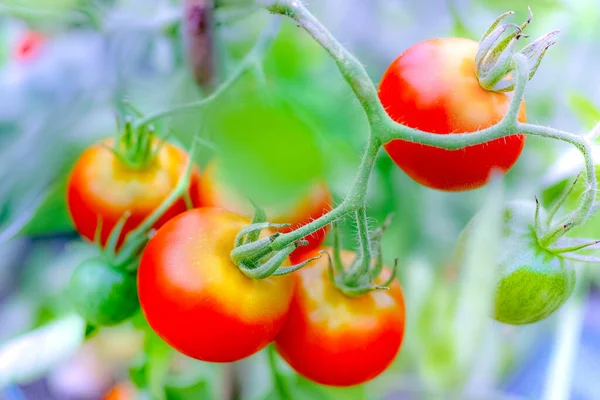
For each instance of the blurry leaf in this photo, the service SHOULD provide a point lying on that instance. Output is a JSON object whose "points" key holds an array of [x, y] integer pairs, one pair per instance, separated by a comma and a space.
{"points": [[459, 29], [52, 216], [265, 150], [519, 5], [293, 54], [30, 356], [197, 390], [478, 276], [585, 110], [436, 350], [159, 356], [559, 378]]}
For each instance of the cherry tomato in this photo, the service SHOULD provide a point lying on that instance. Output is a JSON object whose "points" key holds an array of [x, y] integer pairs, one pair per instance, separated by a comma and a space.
{"points": [[28, 47], [103, 294], [432, 86], [122, 391], [197, 300], [337, 340], [306, 209], [101, 189], [532, 282]]}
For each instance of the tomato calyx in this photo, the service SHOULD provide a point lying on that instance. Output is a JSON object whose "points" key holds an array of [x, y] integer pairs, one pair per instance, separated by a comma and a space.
{"points": [[253, 254], [494, 61], [136, 147], [360, 276], [549, 233]]}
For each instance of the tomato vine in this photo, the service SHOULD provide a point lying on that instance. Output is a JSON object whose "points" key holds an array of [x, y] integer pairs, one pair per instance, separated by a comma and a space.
{"points": [[383, 129]]}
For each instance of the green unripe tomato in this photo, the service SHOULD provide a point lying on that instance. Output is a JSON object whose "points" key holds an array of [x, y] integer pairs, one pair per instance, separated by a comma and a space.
{"points": [[103, 294], [532, 282]]}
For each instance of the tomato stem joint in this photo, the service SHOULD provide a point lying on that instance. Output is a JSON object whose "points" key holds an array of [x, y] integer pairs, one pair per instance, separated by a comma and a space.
{"points": [[254, 256], [362, 274], [494, 64]]}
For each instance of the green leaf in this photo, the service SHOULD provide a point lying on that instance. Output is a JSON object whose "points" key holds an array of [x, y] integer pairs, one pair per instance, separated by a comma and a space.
{"points": [[459, 29], [197, 390], [586, 111], [159, 357], [478, 277], [265, 149], [52, 216]]}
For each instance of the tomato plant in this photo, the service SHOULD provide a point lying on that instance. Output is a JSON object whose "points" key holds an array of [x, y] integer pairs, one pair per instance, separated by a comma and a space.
{"points": [[433, 86], [104, 186], [316, 202], [219, 286], [338, 340], [197, 300]]}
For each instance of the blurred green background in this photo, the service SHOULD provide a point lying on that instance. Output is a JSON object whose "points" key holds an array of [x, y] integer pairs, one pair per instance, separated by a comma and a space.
{"points": [[284, 124]]}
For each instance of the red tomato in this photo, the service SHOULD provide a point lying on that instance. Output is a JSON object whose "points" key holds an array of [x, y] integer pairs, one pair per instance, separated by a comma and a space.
{"points": [[432, 86], [306, 209], [28, 46], [102, 188], [337, 340], [197, 300], [122, 391]]}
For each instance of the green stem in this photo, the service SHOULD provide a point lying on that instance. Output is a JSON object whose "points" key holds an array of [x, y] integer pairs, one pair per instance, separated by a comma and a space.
{"points": [[283, 391], [354, 201], [255, 56], [137, 237], [361, 266]]}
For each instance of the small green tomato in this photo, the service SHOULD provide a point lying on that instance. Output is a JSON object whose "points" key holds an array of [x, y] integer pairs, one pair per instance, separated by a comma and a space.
{"points": [[103, 294], [533, 282]]}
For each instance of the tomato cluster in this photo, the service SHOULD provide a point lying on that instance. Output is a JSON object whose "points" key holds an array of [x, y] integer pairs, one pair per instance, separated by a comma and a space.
{"points": [[191, 292], [170, 250]]}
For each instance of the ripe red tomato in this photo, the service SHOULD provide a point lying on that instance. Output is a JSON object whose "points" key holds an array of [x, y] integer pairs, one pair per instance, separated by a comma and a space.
{"points": [[197, 300], [306, 209], [102, 188], [432, 86], [337, 340], [28, 46]]}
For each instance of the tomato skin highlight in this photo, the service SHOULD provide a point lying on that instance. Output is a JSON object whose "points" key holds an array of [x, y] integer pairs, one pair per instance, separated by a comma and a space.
{"points": [[313, 205], [336, 340], [102, 188], [102, 294], [432, 86], [197, 300]]}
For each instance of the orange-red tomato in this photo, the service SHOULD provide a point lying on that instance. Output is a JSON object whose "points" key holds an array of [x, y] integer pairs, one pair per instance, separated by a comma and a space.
{"points": [[197, 300], [306, 209], [337, 340], [122, 391], [101, 189], [432, 86], [28, 47]]}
